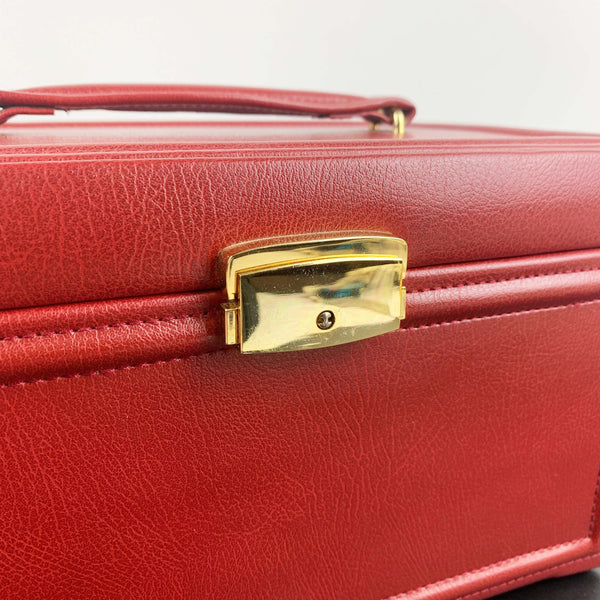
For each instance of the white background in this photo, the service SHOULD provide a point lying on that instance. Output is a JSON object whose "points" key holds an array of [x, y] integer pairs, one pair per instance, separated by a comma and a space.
{"points": [[526, 63]]}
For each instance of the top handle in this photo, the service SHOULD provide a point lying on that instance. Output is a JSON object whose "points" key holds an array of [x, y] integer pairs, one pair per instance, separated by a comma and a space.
{"points": [[196, 98]]}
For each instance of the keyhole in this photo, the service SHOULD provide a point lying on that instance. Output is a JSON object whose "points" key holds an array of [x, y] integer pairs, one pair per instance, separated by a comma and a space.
{"points": [[325, 320]]}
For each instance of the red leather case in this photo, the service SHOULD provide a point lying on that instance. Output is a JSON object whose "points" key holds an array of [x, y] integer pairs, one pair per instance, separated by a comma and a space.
{"points": [[455, 458]]}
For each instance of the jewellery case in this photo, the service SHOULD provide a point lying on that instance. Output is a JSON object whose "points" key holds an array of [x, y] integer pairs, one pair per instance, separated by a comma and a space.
{"points": [[293, 358]]}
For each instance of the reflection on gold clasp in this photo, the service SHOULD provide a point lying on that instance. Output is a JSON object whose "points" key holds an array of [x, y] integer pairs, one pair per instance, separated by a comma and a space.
{"points": [[313, 293]]}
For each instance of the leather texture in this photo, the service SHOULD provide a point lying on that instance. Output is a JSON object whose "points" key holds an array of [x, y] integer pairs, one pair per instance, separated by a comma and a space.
{"points": [[454, 459], [139, 218], [451, 459], [198, 98], [46, 342]]}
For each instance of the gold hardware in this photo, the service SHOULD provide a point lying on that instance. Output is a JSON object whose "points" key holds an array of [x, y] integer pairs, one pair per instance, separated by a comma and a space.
{"points": [[398, 121], [313, 293]]}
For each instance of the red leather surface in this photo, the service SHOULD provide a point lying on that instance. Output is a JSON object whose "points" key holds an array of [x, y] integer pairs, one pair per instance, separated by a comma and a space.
{"points": [[198, 98], [453, 459], [79, 338], [502, 271], [82, 138], [472, 290], [108, 223], [53, 341], [428, 458]]}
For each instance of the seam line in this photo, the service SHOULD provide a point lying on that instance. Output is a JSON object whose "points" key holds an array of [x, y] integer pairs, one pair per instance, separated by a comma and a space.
{"points": [[529, 576], [506, 314], [500, 563], [100, 327], [179, 358], [594, 507], [205, 313], [488, 281], [356, 153], [106, 371]]}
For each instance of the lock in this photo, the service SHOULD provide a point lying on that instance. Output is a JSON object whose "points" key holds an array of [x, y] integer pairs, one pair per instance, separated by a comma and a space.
{"points": [[313, 293]]}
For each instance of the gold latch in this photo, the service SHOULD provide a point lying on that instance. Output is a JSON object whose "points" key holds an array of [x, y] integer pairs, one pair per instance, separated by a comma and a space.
{"points": [[313, 293]]}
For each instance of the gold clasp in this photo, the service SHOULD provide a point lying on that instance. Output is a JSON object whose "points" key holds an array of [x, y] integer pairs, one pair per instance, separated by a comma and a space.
{"points": [[313, 293]]}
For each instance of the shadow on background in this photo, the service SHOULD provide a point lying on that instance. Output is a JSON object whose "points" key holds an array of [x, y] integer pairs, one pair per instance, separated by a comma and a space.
{"points": [[583, 586]]}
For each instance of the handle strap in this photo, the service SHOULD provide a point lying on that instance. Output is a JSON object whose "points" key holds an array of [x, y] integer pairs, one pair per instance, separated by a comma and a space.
{"points": [[195, 98]]}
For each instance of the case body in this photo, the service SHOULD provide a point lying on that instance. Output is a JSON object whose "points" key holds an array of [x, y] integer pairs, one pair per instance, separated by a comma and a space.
{"points": [[457, 457]]}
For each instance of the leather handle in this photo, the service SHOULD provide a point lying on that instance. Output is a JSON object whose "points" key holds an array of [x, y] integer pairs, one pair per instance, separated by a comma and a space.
{"points": [[195, 98]]}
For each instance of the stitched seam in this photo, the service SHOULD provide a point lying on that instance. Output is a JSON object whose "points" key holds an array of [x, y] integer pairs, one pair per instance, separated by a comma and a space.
{"points": [[147, 364], [250, 97], [594, 507], [485, 281], [188, 316], [506, 314], [107, 371], [214, 153], [424, 588], [514, 559], [358, 154], [595, 504], [101, 327], [178, 317], [332, 101], [528, 576]]}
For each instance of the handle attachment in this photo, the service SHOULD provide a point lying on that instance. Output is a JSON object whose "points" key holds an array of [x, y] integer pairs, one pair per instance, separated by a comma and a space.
{"points": [[212, 99]]}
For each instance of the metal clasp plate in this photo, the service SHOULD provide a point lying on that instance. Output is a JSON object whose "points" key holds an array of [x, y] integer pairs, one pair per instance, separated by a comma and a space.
{"points": [[313, 293]]}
